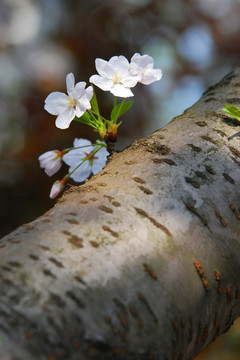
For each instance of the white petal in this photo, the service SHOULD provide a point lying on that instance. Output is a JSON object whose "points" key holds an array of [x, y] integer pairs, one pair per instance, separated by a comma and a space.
{"points": [[74, 157], [56, 103], [82, 173], [136, 55], [78, 90], [53, 167], [98, 165], [135, 70], [89, 92], [104, 68], [121, 91], [70, 81], [130, 81], [102, 153], [78, 111], [150, 76], [55, 97], [64, 119], [84, 103], [142, 61], [119, 62], [82, 142], [101, 82], [55, 109], [47, 155]]}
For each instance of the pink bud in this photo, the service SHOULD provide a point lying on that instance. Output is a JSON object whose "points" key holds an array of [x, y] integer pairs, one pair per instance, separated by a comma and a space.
{"points": [[56, 189]]}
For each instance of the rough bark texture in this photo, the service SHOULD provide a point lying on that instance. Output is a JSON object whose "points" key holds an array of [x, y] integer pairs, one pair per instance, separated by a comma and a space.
{"points": [[140, 262]]}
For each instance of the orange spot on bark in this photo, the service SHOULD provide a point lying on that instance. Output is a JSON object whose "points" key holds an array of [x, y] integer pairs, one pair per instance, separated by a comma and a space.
{"points": [[150, 355], [133, 310], [229, 291], [205, 333], [198, 267], [205, 283], [119, 351], [123, 335], [108, 319], [28, 334], [124, 322], [175, 325], [217, 275], [237, 294], [93, 350], [150, 271]]}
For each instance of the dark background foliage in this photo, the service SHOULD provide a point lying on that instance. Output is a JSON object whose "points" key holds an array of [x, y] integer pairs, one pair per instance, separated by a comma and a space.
{"points": [[194, 42]]}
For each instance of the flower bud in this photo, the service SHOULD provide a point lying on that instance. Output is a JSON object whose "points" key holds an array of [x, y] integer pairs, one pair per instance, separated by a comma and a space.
{"points": [[102, 131], [56, 189]]}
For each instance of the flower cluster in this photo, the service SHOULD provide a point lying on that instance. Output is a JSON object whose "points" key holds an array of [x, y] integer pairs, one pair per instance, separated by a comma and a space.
{"points": [[81, 159], [118, 76]]}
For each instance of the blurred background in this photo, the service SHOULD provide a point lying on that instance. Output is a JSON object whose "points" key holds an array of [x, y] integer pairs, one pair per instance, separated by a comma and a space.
{"points": [[194, 42]]}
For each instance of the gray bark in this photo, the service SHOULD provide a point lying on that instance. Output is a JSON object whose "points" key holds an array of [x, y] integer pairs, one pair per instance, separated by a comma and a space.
{"points": [[140, 262]]}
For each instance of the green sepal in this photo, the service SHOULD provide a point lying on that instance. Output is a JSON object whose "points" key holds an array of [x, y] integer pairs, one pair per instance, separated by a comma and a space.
{"points": [[233, 111], [119, 110], [94, 103], [85, 119]]}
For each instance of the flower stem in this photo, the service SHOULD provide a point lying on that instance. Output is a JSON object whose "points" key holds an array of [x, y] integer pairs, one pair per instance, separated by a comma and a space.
{"points": [[80, 147], [95, 114], [119, 111]]}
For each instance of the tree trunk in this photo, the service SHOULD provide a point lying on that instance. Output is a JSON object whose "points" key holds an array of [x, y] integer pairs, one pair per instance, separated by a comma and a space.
{"points": [[140, 262]]}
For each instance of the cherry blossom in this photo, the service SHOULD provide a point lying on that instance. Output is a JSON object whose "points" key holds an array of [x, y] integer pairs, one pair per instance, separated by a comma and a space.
{"points": [[115, 76], [68, 106], [145, 67], [93, 164], [51, 161]]}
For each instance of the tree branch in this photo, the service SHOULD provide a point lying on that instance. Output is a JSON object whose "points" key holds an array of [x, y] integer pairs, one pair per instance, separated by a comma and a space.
{"points": [[140, 262]]}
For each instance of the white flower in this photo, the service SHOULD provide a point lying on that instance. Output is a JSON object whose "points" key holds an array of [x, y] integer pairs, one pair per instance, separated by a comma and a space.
{"points": [[93, 165], [145, 65], [51, 161], [114, 76], [68, 106]]}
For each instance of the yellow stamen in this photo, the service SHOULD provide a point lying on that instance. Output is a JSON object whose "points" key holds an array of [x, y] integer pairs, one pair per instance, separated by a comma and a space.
{"points": [[116, 79], [72, 102]]}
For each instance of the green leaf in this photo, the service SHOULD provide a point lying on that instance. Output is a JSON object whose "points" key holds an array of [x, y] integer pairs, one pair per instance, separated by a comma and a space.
{"points": [[119, 110], [85, 119], [94, 103], [232, 110]]}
